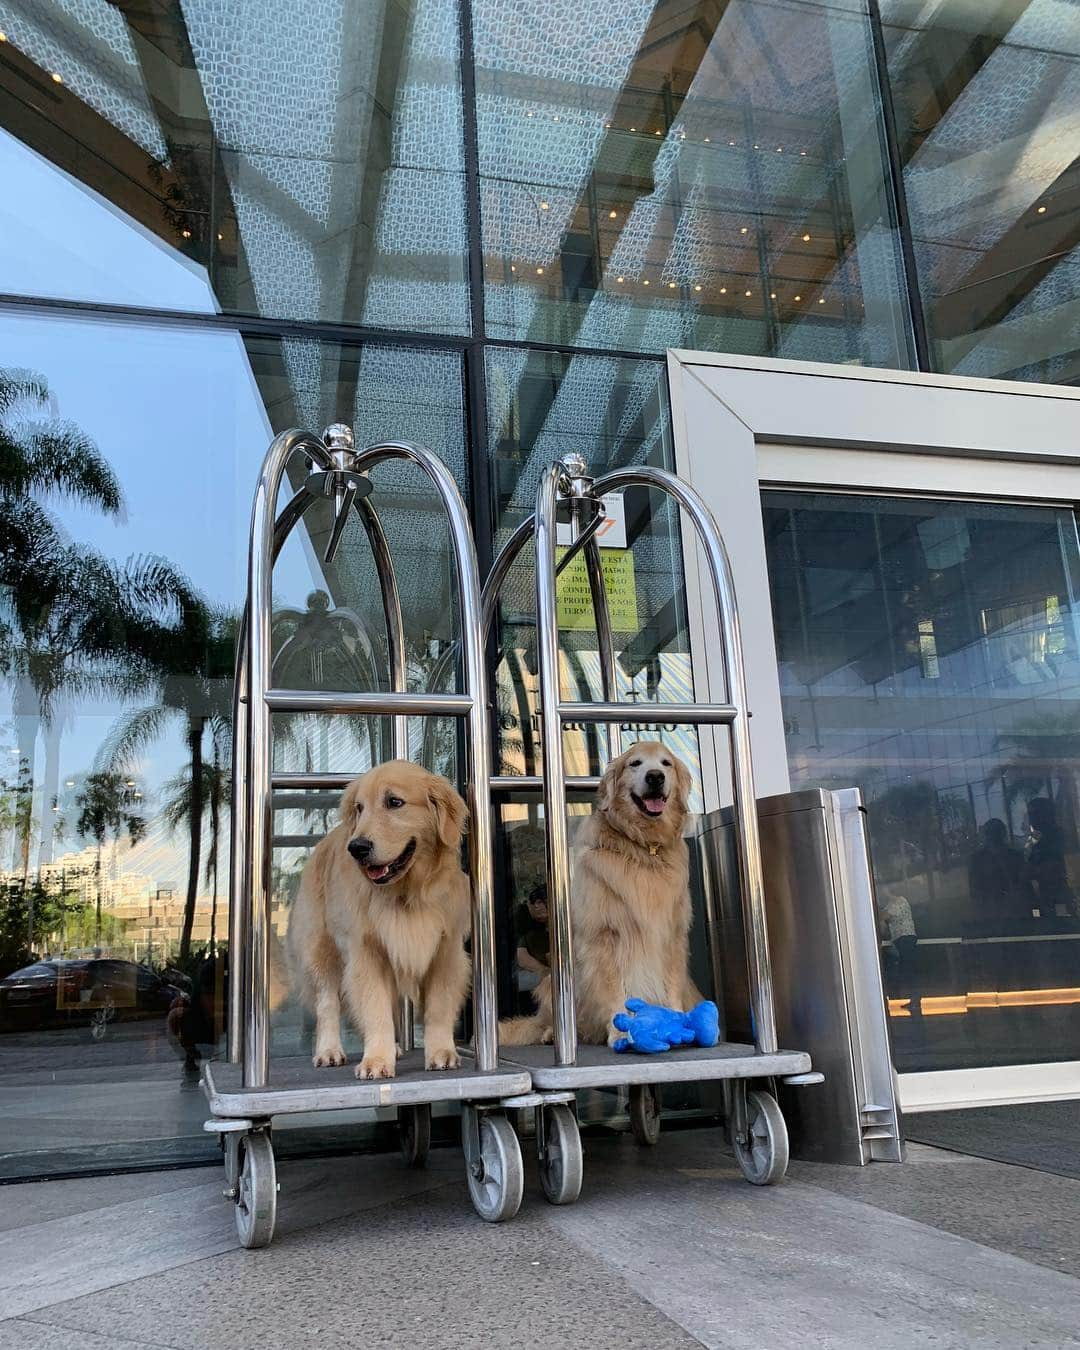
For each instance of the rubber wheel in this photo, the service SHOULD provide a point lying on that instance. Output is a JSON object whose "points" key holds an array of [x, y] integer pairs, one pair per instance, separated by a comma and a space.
{"points": [[763, 1159], [497, 1181], [561, 1163], [414, 1128], [645, 1113], [256, 1192], [230, 1149]]}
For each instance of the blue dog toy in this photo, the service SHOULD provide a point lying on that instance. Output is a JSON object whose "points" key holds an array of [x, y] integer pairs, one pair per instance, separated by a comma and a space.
{"points": [[651, 1029]]}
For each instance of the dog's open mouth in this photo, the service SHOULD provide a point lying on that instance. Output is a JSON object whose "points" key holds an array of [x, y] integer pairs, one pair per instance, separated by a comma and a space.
{"points": [[649, 806], [381, 873]]}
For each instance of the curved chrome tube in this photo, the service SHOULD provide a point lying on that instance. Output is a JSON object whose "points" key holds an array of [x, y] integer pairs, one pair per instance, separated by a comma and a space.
{"points": [[742, 772], [477, 741]]}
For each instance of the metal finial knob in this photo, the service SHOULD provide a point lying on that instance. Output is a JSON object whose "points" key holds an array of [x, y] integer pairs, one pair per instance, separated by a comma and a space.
{"points": [[575, 465], [339, 436]]}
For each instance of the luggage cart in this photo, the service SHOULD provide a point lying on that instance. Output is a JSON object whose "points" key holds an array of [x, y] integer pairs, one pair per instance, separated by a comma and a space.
{"points": [[754, 1119], [247, 1092]]}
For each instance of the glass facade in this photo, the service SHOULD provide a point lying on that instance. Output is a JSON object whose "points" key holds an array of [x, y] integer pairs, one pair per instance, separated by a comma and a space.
{"points": [[472, 223], [930, 652], [987, 111]]}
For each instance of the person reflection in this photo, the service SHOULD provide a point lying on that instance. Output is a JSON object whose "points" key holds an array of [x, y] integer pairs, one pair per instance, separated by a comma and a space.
{"points": [[1000, 894], [896, 932], [1044, 853], [533, 940]]}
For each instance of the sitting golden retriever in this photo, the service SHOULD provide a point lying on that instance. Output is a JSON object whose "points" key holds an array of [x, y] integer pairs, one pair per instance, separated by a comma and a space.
{"points": [[629, 899], [383, 911]]}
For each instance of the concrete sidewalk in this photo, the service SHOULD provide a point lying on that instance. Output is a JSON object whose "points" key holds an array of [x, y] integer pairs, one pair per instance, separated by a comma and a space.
{"points": [[666, 1248]]}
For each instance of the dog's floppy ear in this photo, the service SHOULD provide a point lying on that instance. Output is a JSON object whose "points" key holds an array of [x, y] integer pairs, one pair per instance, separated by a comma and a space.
{"points": [[684, 784], [348, 800], [449, 810], [605, 793]]}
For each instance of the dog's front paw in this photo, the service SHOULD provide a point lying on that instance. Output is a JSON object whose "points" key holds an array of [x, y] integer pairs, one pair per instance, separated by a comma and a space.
{"points": [[614, 1034], [376, 1066], [328, 1057], [442, 1057]]}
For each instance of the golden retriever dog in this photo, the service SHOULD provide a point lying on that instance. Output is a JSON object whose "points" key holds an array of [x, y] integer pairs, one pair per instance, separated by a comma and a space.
{"points": [[383, 911], [629, 899]]}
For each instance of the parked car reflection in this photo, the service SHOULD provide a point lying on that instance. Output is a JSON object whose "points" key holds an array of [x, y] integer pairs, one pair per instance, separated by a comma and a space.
{"points": [[93, 992]]}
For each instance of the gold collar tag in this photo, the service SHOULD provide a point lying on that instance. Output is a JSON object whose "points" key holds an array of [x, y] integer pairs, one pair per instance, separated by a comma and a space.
{"points": [[654, 849]]}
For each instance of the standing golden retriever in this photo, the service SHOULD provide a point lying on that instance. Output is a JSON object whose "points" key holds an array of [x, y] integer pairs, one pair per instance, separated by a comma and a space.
{"points": [[630, 899], [383, 911]]}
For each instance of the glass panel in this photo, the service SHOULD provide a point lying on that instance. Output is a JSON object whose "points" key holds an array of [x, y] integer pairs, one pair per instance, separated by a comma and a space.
{"points": [[293, 160], [123, 556], [987, 99], [929, 654], [614, 412], [711, 178]]}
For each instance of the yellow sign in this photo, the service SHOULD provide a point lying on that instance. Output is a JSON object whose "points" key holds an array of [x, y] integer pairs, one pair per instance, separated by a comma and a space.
{"points": [[574, 598]]}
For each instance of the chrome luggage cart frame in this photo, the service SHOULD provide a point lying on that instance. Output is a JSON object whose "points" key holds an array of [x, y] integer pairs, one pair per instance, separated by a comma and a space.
{"points": [[754, 1119], [246, 1092]]}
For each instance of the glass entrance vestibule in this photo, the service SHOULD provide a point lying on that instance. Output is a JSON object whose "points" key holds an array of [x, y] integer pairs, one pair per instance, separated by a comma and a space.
{"points": [[908, 563]]}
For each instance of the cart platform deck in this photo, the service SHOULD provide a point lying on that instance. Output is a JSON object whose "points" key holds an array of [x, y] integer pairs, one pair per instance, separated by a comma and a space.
{"points": [[599, 1066], [296, 1085]]}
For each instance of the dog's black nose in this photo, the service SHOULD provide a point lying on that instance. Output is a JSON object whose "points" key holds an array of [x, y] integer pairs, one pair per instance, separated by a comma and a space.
{"points": [[360, 848], [654, 779]]}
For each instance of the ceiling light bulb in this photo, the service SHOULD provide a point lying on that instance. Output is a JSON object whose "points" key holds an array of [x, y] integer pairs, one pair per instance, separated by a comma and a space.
{"points": [[671, 285], [543, 206], [798, 297], [779, 149], [3, 36], [658, 133], [706, 140], [697, 288], [529, 114], [645, 282], [620, 279], [723, 290], [744, 230], [1042, 210], [731, 142], [802, 152], [186, 234], [806, 238], [513, 268], [633, 128], [772, 295], [747, 294], [821, 301], [539, 271], [612, 215], [57, 79]]}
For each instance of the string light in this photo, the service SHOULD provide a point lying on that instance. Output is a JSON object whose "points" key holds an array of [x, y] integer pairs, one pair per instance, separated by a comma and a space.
{"points": [[658, 133], [543, 206], [671, 285], [779, 149], [803, 153], [745, 230], [697, 288], [530, 114], [612, 215], [513, 268], [539, 271], [706, 140], [723, 290], [620, 280], [645, 282], [747, 294], [821, 301], [772, 295], [798, 298], [1042, 210], [3, 36], [57, 79], [186, 234], [731, 142], [806, 238], [633, 128]]}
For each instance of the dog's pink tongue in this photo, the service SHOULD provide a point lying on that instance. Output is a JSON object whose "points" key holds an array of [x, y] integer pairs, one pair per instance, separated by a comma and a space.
{"points": [[655, 805], [377, 873]]}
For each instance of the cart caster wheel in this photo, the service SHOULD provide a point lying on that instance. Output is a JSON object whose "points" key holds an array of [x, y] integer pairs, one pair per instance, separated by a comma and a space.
{"points": [[645, 1113], [497, 1177], [230, 1150], [763, 1158], [414, 1126], [561, 1163], [256, 1191]]}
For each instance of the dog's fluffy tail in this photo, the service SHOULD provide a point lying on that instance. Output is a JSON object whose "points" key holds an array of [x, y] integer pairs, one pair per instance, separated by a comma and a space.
{"points": [[534, 1030]]}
